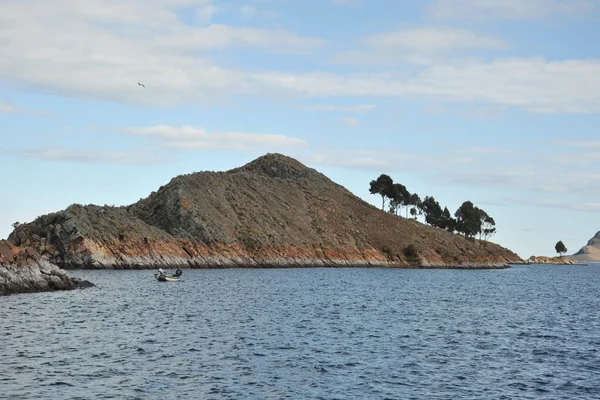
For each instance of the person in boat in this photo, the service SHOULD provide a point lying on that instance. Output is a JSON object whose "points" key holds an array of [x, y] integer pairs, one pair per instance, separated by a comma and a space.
{"points": [[178, 272], [161, 273]]}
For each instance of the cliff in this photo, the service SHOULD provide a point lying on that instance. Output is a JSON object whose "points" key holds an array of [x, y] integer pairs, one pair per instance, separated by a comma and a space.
{"points": [[272, 212], [22, 271], [590, 252]]}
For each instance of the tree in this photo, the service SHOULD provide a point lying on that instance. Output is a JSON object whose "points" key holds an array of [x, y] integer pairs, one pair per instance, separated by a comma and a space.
{"points": [[447, 222], [468, 219], [398, 197], [407, 200], [433, 212], [382, 186], [416, 203], [488, 227], [16, 225], [414, 212], [560, 248]]}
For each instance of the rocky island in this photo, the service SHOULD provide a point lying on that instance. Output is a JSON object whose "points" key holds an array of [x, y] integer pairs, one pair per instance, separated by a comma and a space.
{"points": [[272, 212], [549, 260]]}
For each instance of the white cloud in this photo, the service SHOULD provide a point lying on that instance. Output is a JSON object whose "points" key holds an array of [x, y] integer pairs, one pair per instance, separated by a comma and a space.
{"points": [[480, 167], [328, 107], [509, 9], [187, 137], [419, 46], [589, 144], [583, 158], [92, 156], [535, 84], [204, 14], [562, 205], [536, 175], [223, 36], [366, 159], [433, 40], [483, 113], [8, 108], [578, 153], [100, 49], [169, 138], [486, 150], [248, 11], [350, 121]]}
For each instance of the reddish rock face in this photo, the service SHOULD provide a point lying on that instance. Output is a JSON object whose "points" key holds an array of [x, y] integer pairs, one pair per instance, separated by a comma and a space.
{"points": [[8, 251], [272, 212]]}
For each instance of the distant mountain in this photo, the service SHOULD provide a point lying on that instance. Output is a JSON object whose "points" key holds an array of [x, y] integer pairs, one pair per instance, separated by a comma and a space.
{"points": [[590, 252], [272, 212]]}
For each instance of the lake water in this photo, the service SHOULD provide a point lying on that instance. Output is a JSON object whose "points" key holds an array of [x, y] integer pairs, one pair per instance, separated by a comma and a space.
{"points": [[528, 332]]}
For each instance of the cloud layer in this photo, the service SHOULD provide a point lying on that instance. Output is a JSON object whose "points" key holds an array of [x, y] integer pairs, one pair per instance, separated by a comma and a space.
{"points": [[509, 9], [188, 137], [100, 49]]}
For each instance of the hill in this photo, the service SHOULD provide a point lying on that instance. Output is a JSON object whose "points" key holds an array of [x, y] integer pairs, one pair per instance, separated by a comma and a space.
{"points": [[272, 212], [589, 252]]}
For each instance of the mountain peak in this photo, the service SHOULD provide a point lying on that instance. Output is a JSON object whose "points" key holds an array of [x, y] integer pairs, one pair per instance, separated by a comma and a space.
{"points": [[276, 165]]}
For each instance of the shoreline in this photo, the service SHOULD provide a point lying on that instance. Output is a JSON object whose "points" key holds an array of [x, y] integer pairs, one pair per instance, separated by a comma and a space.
{"points": [[299, 265]]}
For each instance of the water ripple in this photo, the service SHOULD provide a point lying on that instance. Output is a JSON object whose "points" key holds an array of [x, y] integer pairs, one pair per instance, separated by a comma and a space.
{"points": [[530, 332]]}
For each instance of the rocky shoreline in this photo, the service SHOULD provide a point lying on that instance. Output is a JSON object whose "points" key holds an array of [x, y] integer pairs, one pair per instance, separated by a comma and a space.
{"points": [[38, 276], [174, 253], [25, 272], [547, 260]]}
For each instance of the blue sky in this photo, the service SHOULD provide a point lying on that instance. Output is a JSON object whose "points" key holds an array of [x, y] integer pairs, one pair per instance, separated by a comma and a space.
{"points": [[497, 102]]}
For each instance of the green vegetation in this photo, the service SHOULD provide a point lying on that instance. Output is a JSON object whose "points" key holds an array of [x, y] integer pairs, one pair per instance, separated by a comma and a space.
{"points": [[560, 248], [468, 220], [382, 186]]}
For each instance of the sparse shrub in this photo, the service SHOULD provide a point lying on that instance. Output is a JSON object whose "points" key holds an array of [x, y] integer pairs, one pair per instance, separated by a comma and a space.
{"points": [[411, 252], [444, 252], [389, 253]]}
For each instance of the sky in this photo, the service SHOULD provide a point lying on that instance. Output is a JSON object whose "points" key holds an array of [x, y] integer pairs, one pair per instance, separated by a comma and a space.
{"points": [[495, 102]]}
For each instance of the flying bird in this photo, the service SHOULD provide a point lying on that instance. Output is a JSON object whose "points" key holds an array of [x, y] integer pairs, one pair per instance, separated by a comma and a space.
{"points": [[141, 84]]}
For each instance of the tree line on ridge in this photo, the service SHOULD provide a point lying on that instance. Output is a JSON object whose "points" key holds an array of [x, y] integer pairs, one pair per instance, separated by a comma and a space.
{"points": [[468, 220]]}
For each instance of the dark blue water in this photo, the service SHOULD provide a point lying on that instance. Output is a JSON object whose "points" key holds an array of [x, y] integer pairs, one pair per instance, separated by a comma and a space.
{"points": [[529, 332]]}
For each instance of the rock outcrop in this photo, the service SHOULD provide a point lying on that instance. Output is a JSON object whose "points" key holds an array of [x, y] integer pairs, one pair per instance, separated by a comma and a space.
{"points": [[25, 271], [272, 212], [589, 252], [549, 260]]}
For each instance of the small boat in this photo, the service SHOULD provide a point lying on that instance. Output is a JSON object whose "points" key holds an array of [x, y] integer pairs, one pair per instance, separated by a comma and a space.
{"points": [[162, 277]]}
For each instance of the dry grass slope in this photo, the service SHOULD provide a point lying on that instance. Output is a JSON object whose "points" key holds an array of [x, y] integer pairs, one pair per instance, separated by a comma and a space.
{"points": [[273, 211]]}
